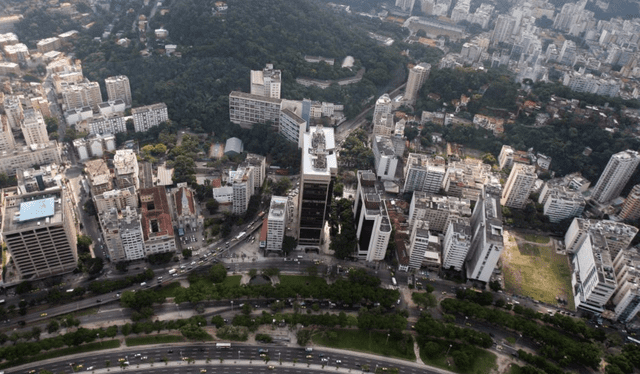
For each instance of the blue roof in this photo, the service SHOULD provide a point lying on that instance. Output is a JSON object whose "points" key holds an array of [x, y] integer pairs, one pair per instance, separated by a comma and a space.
{"points": [[35, 209]]}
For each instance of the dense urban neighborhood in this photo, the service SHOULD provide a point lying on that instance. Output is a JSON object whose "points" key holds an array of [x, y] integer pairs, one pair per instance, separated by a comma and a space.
{"points": [[386, 186]]}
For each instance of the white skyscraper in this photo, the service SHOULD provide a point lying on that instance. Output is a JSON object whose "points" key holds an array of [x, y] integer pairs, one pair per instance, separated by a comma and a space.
{"points": [[373, 227], [504, 29], [266, 82], [383, 105], [457, 241], [118, 88], [34, 129], [487, 243], [615, 176], [518, 187], [276, 223], [418, 244], [424, 173], [417, 76]]}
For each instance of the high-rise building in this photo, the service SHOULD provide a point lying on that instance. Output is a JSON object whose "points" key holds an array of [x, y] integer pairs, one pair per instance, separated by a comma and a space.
{"points": [[118, 88], [424, 173], [246, 109], [560, 202], [34, 129], [466, 178], [418, 244], [518, 187], [318, 170], [28, 156], [626, 298], [503, 30], [7, 142], [617, 235], [292, 126], [259, 164], [417, 76], [100, 179], [125, 163], [149, 116], [487, 241], [438, 210], [456, 244], [241, 181], [107, 124], [157, 226], [631, 207], [266, 82], [385, 159], [38, 229], [276, 223], [13, 110], [383, 105], [615, 176], [81, 94], [116, 199], [373, 227], [122, 233]]}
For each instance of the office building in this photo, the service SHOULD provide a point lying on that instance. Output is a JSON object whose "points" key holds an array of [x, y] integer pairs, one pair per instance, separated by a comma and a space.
{"points": [[487, 241], [118, 88], [561, 202], [81, 94], [38, 229], [99, 176], [23, 157], [424, 173], [385, 159], [266, 82], [518, 187], [259, 164], [149, 116], [246, 109], [616, 235], [456, 244], [292, 126], [7, 141], [125, 163], [504, 28], [117, 199], [157, 227], [466, 178], [276, 223], [318, 170], [626, 298], [631, 207], [185, 208], [418, 244], [615, 176], [373, 228], [417, 76], [438, 210], [34, 129], [122, 232], [241, 181]]}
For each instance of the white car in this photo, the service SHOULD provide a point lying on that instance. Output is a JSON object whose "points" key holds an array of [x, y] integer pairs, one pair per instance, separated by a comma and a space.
{"points": [[90, 368]]}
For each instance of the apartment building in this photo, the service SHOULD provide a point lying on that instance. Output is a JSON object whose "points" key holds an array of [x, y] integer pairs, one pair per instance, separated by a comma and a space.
{"points": [[465, 179], [118, 88], [117, 199], [456, 244], [385, 158], [276, 223], [487, 241], [292, 126], [125, 163], [157, 226], [241, 181], [259, 165], [48, 44], [17, 53], [81, 94], [23, 157], [106, 124], [417, 76], [631, 207], [246, 109], [99, 176], [518, 187], [373, 227], [626, 298], [318, 171], [560, 202], [13, 110], [38, 229], [266, 82], [438, 210], [33, 180], [7, 68], [508, 156], [383, 105], [424, 173], [149, 116], [7, 141], [615, 176], [123, 235], [419, 243], [34, 129]]}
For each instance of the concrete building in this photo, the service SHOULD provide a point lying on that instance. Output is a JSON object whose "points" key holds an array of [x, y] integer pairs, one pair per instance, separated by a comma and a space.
{"points": [[266, 82], [23, 157], [81, 149], [417, 76], [241, 181], [626, 298], [149, 116], [487, 242], [384, 105], [504, 28], [122, 232], [616, 235], [438, 210], [125, 163], [465, 179], [631, 207], [385, 158], [7, 68], [13, 110], [185, 208], [591, 84], [157, 227], [7, 141], [116, 199], [100, 178], [48, 44], [34, 129], [292, 126], [276, 223], [518, 187], [17, 53], [424, 173], [110, 107], [383, 124], [106, 124], [405, 5], [233, 147], [78, 95], [373, 227], [561, 202], [508, 156], [32, 180], [259, 165], [418, 244], [317, 173], [615, 176], [456, 244], [38, 229], [246, 109], [118, 88]]}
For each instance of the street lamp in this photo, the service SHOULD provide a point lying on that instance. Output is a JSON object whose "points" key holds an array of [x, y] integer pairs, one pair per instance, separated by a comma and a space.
{"points": [[450, 345], [387, 339], [279, 358], [520, 336], [232, 305]]}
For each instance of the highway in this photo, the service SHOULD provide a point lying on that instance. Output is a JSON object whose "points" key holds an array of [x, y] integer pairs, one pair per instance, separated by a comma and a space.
{"points": [[175, 353]]}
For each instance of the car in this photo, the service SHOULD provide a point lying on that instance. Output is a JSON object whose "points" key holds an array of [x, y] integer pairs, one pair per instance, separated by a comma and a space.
{"points": [[126, 363], [338, 361], [137, 355], [324, 360], [185, 359], [203, 370], [121, 360], [90, 368], [261, 350], [43, 315], [32, 371], [271, 367], [263, 355], [143, 357], [309, 357]]}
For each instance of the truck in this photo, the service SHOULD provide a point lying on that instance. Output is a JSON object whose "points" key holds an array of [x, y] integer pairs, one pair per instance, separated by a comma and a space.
{"points": [[393, 280], [240, 235], [172, 271]]}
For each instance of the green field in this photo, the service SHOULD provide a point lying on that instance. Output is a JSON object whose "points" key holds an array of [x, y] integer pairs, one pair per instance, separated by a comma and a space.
{"points": [[483, 361], [300, 280], [537, 238], [154, 339], [536, 271], [358, 340], [232, 280], [97, 346], [168, 290]]}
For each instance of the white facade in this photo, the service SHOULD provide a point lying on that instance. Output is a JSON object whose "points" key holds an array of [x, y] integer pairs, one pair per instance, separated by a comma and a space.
{"points": [[34, 129], [560, 203], [276, 223], [292, 127], [267, 82], [419, 244], [81, 148], [417, 76], [126, 167], [593, 278], [13, 110], [242, 183], [518, 187], [78, 95], [246, 109], [373, 227], [386, 161], [615, 176], [223, 195], [149, 116], [457, 241], [118, 88], [487, 243], [423, 173], [107, 124], [7, 142], [438, 210], [383, 105]]}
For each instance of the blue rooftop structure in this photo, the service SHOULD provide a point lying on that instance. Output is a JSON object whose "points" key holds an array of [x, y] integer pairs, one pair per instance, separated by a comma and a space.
{"points": [[35, 209]]}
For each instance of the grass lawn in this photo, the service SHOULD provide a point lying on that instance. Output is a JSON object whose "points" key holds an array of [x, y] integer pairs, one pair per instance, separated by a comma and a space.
{"points": [[483, 361], [357, 340], [168, 290], [96, 346], [537, 239], [536, 271], [297, 280], [154, 339], [232, 280]]}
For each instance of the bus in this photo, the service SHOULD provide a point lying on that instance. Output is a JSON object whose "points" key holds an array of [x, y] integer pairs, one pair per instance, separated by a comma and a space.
{"points": [[223, 345], [633, 340], [393, 280]]}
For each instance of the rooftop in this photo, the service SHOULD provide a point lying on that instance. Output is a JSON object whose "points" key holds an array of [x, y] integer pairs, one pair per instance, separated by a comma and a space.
{"points": [[244, 95], [156, 216], [318, 155], [29, 210]]}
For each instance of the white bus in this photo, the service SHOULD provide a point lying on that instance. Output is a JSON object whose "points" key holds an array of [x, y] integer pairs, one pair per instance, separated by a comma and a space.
{"points": [[223, 345]]}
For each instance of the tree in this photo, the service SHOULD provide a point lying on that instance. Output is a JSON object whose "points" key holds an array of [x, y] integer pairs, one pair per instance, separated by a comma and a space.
{"points": [[217, 273], [53, 326], [253, 273], [212, 206], [186, 253], [281, 187], [303, 336], [289, 244], [217, 321], [84, 242], [246, 309], [490, 159]]}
